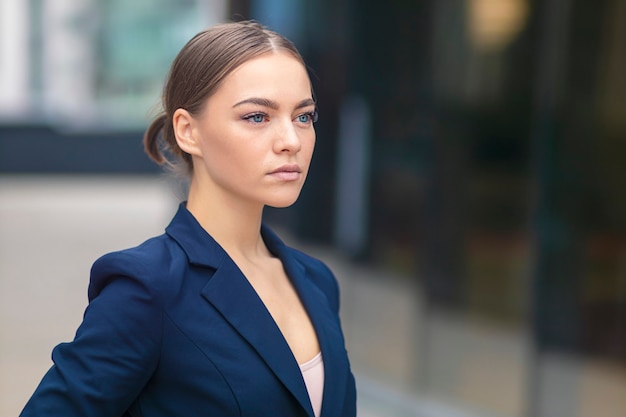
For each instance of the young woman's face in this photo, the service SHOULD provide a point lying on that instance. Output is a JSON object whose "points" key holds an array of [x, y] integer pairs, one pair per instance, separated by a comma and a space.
{"points": [[257, 134]]}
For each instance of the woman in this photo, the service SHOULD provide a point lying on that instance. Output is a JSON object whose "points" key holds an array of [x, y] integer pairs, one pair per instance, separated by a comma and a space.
{"points": [[216, 317]]}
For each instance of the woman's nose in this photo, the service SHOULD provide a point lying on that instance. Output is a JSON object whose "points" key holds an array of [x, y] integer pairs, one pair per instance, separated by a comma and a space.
{"points": [[287, 138]]}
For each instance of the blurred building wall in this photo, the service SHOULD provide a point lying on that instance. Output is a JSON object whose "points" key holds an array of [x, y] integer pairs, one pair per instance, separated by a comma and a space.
{"points": [[92, 64], [15, 65], [81, 79]]}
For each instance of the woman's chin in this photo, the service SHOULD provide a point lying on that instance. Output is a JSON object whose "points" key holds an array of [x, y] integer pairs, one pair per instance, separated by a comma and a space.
{"points": [[282, 201]]}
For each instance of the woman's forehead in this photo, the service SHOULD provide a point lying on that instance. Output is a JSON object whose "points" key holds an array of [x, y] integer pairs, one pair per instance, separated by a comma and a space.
{"points": [[275, 76]]}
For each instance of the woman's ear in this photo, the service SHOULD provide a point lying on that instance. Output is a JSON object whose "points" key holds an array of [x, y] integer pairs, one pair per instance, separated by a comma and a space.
{"points": [[185, 132]]}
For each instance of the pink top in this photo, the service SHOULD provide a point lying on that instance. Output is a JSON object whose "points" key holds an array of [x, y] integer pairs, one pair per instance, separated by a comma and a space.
{"points": [[313, 374]]}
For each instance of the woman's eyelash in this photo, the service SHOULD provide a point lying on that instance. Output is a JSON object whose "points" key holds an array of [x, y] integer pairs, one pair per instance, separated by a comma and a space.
{"points": [[257, 115], [314, 115]]}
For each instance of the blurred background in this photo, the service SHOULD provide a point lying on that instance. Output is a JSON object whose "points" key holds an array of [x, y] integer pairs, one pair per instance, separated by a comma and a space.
{"points": [[467, 186]]}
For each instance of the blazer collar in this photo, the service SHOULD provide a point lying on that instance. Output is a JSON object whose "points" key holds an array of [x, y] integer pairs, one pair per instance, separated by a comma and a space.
{"points": [[200, 247], [230, 292], [336, 368]]}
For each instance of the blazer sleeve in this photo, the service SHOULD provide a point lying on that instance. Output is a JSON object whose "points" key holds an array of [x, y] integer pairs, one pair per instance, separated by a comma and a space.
{"points": [[115, 349]]}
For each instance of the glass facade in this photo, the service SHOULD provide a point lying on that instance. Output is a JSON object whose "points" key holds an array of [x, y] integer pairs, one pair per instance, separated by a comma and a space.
{"points": [[95, 64], [136, 45]]}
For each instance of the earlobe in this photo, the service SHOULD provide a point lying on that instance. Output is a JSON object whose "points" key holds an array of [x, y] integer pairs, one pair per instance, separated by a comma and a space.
{"points": [[184, 131]]}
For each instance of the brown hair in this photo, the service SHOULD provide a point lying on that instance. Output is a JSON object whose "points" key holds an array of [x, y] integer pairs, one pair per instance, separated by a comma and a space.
{"points": [[198, 71]]}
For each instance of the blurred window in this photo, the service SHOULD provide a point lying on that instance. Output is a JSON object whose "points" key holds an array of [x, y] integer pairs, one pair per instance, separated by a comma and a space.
{"points": [[94, 63]]}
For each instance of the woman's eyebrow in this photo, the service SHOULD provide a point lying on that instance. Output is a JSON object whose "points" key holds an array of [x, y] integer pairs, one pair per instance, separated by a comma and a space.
{"points": [[272, 104], [305, 103], [259, 102]]}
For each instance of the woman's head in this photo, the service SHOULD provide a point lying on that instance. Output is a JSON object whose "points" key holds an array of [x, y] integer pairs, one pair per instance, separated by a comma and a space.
{"points": [[197, 72]]}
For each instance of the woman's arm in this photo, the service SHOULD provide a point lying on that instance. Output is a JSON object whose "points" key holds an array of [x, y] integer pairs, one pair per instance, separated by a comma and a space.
{"points": [[115, 350]]}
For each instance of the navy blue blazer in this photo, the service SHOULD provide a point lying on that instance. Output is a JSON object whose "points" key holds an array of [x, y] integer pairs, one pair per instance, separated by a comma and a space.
{"points": [[173, 328]]}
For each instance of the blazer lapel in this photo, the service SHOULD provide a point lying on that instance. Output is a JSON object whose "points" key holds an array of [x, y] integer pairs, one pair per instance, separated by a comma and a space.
{"points": [[230, 292], [330, 338]]}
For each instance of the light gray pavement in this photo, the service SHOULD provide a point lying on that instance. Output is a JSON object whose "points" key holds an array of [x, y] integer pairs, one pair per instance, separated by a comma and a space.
{"points": [[408, 361]]}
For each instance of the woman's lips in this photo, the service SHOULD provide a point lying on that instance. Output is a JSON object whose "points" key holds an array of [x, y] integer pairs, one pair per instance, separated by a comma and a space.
{"points": [[287, 173]]}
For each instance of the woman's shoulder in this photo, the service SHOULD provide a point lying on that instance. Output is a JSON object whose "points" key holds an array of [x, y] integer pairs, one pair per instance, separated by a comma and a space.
{"points": [[311, 262], [145, 264], [151, 254]]}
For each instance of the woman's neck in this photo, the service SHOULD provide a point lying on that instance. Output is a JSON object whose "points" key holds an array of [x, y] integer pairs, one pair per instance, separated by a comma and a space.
{"points": [[234, 224]]}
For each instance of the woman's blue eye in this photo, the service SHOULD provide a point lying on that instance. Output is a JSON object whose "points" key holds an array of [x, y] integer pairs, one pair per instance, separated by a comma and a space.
{"points": [[256, 118], [308, 117]]}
